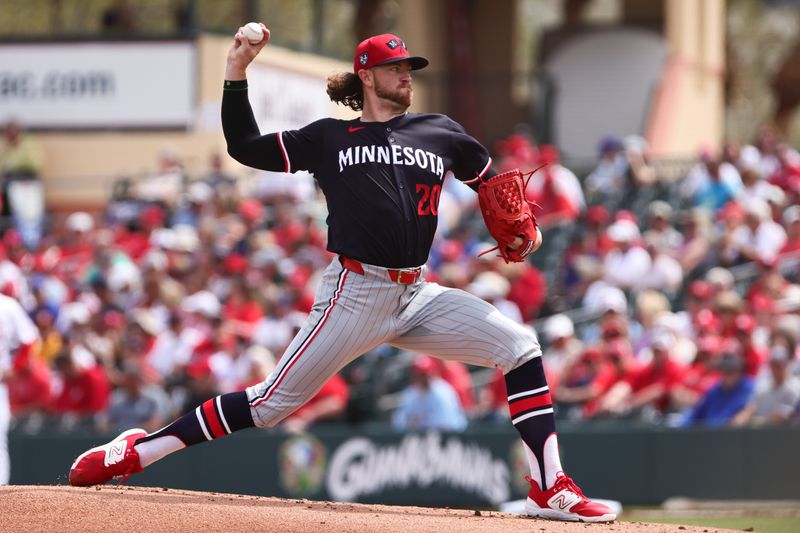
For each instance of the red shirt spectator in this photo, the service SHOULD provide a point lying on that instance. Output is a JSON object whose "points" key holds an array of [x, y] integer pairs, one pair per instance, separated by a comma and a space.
{"points": [[752, 355], [652, 384], [84, 391], [702, 373], [528, 291], [242, 309], [29, 387], [134, 243], [555, 203], [329, 402], [494, 397]]}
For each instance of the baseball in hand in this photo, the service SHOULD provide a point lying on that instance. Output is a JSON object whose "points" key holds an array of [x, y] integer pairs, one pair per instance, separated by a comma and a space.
{"points": [[254, 32]]}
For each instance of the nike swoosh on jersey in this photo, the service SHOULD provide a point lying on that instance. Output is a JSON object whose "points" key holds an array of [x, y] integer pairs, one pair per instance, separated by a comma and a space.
{"points": [[353, 129]]}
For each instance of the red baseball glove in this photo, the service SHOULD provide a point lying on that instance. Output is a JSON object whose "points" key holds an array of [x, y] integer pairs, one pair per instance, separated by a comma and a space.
{"points": [[509, 215]]}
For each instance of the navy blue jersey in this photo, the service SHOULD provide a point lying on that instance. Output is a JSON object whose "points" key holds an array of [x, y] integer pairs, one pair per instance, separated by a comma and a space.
{"points": [[381, 180]]}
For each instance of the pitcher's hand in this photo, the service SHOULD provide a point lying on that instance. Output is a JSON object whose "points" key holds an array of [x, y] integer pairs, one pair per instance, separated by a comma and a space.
{"points": [[242, 53]]}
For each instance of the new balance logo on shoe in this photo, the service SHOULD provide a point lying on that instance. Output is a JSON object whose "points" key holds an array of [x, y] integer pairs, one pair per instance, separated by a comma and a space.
{"points": [[115, 452], [564, 500]]}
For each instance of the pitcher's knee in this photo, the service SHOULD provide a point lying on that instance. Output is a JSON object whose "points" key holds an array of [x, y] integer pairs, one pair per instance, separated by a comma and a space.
{"points": [[269, 407], [526, 347]]}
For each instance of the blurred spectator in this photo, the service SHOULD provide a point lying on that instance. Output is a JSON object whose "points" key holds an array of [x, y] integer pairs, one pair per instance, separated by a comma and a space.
{"points": [[606, 183], [518, 150], [791, 221], [492, 404], [754, 356], [611, 305], [197, 385], [720, 280], [641, 180], [696, 313], [328, 404], [748, 163], [627, 264], [194, 205], [693, 251], [711, 183], [723, 402], [216, 177], [82, 389], [20, 154], [578, 384], [646, 391], [769, 285], [776, 402], [76, 247], [457, 375], [241, 309], [660, 232], [29, 390], [727, 306], [494, 288], [583, 259], [786, 173], [766, 142], [701, 375], [760, 238], [22, 201], [649, 305], [563, 348], [165, 184], [556, 190], [528, 289], [135, 404], [665, 273], [429, 402], [584, 389]]}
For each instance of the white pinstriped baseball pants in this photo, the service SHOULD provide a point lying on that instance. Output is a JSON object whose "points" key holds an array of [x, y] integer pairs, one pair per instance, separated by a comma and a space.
{"points": [[354, 313]]}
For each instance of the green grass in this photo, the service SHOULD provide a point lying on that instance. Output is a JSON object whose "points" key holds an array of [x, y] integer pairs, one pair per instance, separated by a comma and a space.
{"points": [[760, 524]]}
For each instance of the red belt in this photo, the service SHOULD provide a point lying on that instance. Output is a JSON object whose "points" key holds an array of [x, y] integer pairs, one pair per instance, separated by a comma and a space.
{"points": [[406, 276]]}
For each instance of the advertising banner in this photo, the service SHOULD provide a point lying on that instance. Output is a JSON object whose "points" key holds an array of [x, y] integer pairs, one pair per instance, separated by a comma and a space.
{"points": [[403, 469], [98, 85]]}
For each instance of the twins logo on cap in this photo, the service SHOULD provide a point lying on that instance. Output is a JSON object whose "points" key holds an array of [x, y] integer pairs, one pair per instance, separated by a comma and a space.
{"points": [[383, 49]]}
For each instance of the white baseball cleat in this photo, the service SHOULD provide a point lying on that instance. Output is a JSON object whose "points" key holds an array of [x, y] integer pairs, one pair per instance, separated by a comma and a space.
{"points": [[117, 458], [565, 501]]}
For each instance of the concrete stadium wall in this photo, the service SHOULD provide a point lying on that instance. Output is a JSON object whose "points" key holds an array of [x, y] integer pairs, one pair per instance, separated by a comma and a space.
{"points": [[481, 467]]}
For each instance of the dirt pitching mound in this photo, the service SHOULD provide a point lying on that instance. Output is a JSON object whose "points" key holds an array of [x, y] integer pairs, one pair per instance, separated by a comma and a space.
{"points": [[113, 508]]}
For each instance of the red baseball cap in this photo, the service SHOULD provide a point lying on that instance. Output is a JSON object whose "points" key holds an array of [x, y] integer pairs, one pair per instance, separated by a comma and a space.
{"points": [[384, 49], [745, 323]]}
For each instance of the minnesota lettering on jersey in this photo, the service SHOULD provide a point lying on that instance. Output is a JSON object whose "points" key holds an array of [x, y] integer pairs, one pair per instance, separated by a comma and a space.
{"points": [[392, 155]]}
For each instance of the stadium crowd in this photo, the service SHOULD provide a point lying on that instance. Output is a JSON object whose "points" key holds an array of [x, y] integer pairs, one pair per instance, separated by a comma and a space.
{"points": [[669, 300]]}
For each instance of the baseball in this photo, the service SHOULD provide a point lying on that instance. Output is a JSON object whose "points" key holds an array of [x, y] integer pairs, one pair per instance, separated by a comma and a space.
{"points": [[254, 32]]}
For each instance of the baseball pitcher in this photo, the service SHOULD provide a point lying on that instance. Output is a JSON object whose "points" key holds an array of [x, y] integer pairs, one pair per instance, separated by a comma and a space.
{"points": [[382, 175]]}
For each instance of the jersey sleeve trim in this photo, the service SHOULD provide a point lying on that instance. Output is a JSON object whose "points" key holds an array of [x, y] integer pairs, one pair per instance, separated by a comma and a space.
{"points": [[481, 174], [284, 153]]}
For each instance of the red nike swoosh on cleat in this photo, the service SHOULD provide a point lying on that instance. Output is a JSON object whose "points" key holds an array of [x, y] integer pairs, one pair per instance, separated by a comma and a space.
{"points": [[353, 129]]}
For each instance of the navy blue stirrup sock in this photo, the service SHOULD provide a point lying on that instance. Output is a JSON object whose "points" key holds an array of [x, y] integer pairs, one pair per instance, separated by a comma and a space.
{"points": [[531, 408], [217, 417]]}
